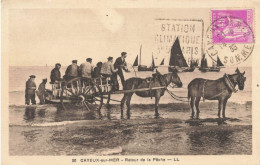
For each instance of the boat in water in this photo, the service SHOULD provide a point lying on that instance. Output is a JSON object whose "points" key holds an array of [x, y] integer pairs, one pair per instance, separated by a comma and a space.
{"points": [[144, 67], [204, 65], [177, 61]]}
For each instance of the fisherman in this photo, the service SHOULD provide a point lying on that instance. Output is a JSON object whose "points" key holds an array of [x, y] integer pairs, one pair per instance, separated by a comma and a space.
{"points": [[107, 70], [72, 71], [120, 64], [55, 74], [30, 91], [41, 91], [97, 70], [55, 80], [86, 69]]}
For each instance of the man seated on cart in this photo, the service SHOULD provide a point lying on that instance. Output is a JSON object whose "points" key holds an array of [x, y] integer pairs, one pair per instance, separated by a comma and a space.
{"points": [[55, 80], [107, 70], [86, 69], [72, 71]]}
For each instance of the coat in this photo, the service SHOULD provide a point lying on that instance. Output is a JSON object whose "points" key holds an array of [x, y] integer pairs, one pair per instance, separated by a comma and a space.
{"points": [[119, 64], [108, 68], [55, 75], [72, 71], [30, 87], [86, 70]]}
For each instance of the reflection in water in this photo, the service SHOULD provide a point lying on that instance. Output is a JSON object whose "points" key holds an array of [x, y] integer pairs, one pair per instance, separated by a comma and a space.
{"points": [[210, 139], [30, 136], [29, 113], [41, 113], [75, 114]]}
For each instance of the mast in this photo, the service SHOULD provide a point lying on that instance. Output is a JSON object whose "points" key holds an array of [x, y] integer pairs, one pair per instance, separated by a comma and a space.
{"points": [[153, 64], [140, 54]]}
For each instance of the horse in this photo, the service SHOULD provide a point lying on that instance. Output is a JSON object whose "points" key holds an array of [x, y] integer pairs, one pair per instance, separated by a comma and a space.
{"points": [[220, 89], [158, 80]]}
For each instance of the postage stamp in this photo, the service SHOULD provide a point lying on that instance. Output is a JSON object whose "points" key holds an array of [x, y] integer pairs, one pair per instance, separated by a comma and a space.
{"points": [[230, 31], [232, 26]]}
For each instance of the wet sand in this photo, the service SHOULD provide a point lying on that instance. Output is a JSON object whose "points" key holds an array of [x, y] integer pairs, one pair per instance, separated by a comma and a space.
{"points": [[47, 130]]}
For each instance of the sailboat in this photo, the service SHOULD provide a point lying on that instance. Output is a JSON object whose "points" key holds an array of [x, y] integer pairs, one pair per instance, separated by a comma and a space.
{"points": [[204, 65], [143, 67], [177, 60], [162, 63]]}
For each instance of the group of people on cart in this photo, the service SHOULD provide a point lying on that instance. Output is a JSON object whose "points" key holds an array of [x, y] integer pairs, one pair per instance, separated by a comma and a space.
{"points": [[85, 70]]}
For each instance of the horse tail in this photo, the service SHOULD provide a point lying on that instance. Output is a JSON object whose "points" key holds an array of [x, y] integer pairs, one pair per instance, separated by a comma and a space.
{"points": [[189, 94], [189, 91]]}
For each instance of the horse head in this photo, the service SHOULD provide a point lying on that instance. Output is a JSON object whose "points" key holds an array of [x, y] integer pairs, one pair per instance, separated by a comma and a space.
{"points": [[175, 79], [240, 79]]}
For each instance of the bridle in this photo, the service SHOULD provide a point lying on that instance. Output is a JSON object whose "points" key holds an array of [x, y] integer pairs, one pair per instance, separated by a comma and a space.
{"points": [[229, 83]]}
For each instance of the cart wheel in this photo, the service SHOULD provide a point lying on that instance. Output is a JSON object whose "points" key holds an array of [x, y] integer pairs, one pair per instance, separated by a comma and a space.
{"points": [[81, 94]]}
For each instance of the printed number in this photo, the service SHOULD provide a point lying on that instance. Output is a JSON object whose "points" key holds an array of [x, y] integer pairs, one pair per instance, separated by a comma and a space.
{"points": [[74, 160]]}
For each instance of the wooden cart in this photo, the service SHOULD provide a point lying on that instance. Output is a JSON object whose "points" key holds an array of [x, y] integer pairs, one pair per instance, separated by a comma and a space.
{"points": [[85, 93]]}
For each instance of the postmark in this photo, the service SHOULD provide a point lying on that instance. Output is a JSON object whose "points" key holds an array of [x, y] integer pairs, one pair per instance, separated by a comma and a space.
{"points": [[230, 38]]}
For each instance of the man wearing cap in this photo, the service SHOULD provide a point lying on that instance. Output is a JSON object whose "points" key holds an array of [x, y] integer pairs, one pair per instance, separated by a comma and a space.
{"points": [[97, 70], [108, 69], [30, 91], [120, 64], [55, 74], [86, 69], [72, 71], [41, 91]]}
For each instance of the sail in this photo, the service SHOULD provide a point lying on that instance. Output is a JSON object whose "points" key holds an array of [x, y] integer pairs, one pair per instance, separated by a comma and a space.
{"points": [[162, 63], [203, 63], [136, 61], [153, 64], [177, 58], [219, 63]]}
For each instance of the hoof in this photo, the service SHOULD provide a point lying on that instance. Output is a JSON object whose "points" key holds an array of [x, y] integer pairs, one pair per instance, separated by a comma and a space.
{"points": [[191, 117], [108, 106], [156, 116]]}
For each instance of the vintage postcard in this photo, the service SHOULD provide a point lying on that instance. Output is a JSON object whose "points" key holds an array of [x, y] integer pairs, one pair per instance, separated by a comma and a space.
{"points": [[130, 82]]}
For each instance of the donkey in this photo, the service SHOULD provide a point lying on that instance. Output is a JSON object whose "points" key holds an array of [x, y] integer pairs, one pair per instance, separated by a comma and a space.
{"points": [[220, 89], [158, 80]]}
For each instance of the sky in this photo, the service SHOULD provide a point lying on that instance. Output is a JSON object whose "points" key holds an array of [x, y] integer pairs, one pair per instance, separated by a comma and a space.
{"points": [[39, 37]]}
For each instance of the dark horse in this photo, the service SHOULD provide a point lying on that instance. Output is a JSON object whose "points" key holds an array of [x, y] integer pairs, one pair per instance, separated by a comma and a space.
{"points": [[220, 89], [158, 80]]}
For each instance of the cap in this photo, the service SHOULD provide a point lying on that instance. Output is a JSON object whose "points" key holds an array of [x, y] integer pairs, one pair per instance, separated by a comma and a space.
{"points": [[110, 58], [58, 64], [45, 79], [74, 61], [123, 53], [32, 76], [89, 59]]}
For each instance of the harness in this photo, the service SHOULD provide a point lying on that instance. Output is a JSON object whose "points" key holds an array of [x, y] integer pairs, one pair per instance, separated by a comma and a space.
{"points": [[203, 90], [228, 83], [149, 81]]}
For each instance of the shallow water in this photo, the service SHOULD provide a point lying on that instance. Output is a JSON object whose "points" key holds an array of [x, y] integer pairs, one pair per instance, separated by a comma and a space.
{"points": [[48, 130]]}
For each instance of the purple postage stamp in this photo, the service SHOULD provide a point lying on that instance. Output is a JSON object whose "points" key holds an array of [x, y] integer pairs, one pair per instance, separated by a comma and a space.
{"points": [[232, 26]]}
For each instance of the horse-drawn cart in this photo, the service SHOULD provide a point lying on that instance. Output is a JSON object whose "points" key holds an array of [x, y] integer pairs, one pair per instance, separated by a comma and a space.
{"points": [[84, 93]]}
